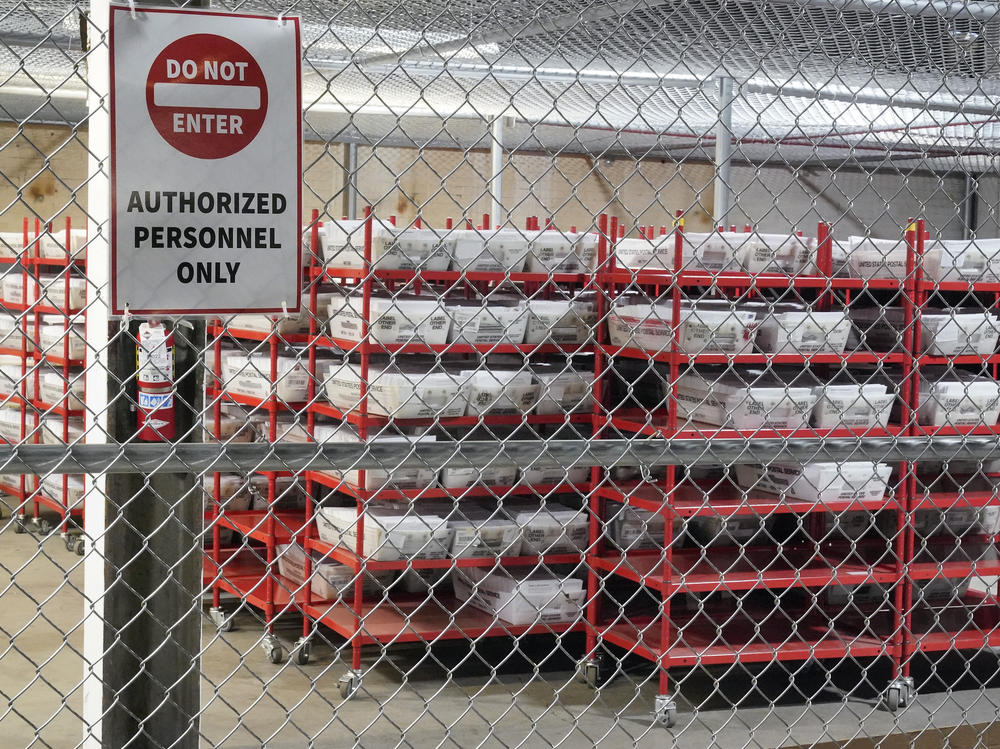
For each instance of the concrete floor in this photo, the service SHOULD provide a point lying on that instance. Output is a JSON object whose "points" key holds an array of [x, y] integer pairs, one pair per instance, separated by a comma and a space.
{"points": [[492, 698]]}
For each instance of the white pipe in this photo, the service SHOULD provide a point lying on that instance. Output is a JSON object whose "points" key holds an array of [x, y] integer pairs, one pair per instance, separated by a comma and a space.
{"points": [[352, 180], [724, 152], [980, 11], [496, 171], [95, 379]]}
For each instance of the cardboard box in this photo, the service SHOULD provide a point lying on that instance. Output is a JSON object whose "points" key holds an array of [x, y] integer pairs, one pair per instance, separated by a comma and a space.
{"points": [[562, 389], [956, 521], [849, 406], [500, 391], [564, 321], [51, 429], [53, 288], [51, 335], [490, 250], [704, 329], [403, 391], [964, 260], [552, 251], [633, 528], [10, 424], [390, 532], [343, 244], [53, 244], [521, 597], [818, 482], [877, 258], [297, 323], [392, 320], [754, 399], [13, 329], [803, 331], [788, 254], [957, 398], [957, 331], [714, 252], [479, 529], [52, 487], [487, 321], [52, 386], [250, 375], [391, 477], [638, 253], [549, 528], [333, 581]]}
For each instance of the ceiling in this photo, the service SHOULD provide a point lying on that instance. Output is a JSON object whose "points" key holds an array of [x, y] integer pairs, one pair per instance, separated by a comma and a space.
{"points": [[813, 82]]}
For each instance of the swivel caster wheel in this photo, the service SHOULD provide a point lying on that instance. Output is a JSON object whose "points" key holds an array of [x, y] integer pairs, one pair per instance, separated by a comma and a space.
{"points": [[665, 711], [44, 527], [899, 694], [593, 672], [348, 684], [79, 547], [19, 525], [302, 651], [272, 648], [223, 622]]}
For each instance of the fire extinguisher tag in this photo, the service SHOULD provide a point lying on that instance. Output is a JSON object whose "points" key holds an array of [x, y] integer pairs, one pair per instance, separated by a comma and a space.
{"points": [[155, 401], [155, 355]]}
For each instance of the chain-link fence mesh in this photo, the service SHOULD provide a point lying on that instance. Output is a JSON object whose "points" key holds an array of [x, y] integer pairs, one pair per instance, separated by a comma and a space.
{"points": [[644, 391]]}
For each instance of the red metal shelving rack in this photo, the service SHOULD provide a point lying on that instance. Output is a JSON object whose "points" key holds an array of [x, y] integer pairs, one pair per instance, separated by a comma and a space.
{"points": [[408, 617], [669, 640], [34, 408]]}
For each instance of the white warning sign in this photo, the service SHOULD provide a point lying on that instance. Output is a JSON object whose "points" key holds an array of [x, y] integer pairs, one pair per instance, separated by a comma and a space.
{"points": [[206, 162]]}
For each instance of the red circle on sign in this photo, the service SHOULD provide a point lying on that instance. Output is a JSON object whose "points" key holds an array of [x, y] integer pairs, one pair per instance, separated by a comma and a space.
{"points": [[206, 96]]}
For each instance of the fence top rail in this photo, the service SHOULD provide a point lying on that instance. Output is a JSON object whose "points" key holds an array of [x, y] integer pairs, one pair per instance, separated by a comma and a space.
{"points": [[265, 456]]}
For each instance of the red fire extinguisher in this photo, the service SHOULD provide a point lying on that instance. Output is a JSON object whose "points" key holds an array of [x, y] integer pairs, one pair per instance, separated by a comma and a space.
{"points": [[155, 380]]}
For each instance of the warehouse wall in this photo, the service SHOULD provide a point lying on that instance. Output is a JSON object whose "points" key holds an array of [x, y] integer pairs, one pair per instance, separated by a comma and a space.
{"points": [[45, 172]]}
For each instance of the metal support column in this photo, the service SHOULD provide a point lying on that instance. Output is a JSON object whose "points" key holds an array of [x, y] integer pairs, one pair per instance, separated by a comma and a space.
{"points": [[724, 153], [970, 206], [496, 171], [351, 181]]}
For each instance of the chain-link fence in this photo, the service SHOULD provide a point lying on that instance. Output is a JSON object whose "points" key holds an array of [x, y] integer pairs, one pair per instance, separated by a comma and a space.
{"points": [[644, 390]]}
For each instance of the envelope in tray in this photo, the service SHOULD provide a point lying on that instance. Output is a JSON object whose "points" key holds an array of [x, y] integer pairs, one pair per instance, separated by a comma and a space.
{"points": [[633, 528], [753, 399], [520, 597], [390, 532], [56, 391], [818, 482]]}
